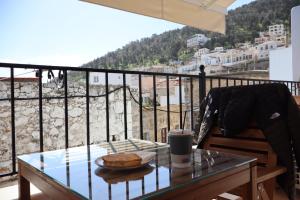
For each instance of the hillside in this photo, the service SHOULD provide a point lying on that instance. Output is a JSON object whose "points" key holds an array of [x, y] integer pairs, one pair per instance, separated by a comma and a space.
{"points": [[242, 24]]}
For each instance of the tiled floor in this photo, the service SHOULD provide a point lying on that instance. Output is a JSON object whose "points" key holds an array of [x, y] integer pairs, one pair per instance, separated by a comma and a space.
{"points": [[9, 191]]}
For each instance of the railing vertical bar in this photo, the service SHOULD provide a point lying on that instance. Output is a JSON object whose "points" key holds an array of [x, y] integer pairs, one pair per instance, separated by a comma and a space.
{"points": [[156, 172], [68, 166], [192, 103], [87, 82], [40, 73], [248, 82], [211, 83], [107, 106], [42, 161], [143, 185], [168, 102], [180, 102], [141, 107], [202, 89], [154, 108], [13, 131], [89, 172], [234, 82], [127, 189], [109, 192], [242, 82], [125, 106], [219, 82], [66, 109], [227, 82]]}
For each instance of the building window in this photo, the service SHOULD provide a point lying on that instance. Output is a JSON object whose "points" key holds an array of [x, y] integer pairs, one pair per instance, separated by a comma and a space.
{"points": [[96, 79]]}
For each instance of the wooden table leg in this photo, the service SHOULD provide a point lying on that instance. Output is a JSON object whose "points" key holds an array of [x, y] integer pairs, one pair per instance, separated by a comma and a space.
{"points": [[253, 183], [24, 186]]}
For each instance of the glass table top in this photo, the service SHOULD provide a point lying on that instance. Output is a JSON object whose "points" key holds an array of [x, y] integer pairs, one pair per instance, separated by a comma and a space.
{"points": [[75, 169]]}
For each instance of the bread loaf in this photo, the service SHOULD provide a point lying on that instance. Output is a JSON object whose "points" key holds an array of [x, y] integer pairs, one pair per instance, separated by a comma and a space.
{"points": [[122, 160]]}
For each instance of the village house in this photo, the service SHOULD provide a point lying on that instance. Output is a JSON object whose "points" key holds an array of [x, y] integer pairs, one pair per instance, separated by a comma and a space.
{"points": [[197, 40], [275, 33]]}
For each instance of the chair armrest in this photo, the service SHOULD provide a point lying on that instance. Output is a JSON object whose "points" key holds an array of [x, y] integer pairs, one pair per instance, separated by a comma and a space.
{"points": [[266, 173], [228, 196]]}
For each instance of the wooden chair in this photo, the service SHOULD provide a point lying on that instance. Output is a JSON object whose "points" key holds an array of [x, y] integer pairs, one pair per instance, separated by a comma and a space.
{"points": [[250, 142], [297, 99]]}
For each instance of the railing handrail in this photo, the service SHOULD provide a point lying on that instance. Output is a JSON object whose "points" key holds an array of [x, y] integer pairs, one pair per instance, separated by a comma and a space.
{"points": [[84, 69], [119, 71], [248, 79]]}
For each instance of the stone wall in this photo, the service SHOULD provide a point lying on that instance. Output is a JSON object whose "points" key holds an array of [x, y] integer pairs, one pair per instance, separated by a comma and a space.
{"points": [[27, 117]]}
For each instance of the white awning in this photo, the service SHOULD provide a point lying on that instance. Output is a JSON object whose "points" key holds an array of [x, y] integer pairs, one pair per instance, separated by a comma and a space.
{"points": [[202, 14]]}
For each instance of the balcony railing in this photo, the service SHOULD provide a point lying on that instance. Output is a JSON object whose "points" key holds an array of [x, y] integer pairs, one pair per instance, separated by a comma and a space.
{"points": [[173, 102]]}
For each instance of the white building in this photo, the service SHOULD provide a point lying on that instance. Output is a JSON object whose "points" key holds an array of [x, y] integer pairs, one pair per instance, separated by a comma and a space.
{"points": [[219, 49], [276, 33], [201, 52], [276, 30], [285, 62], [174, 97], [98, 78], [197, 40], [212, 59], [238, 56], [263, 50], [280, 64], [281, 40], [229, 57], [191, 68], [245, 45]]}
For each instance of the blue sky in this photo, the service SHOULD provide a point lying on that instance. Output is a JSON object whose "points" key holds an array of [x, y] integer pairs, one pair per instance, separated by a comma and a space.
{"points": [[69, 32]]}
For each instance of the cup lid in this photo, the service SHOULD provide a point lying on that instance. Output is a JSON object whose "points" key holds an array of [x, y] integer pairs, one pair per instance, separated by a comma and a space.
{"points": [[180, 132]]}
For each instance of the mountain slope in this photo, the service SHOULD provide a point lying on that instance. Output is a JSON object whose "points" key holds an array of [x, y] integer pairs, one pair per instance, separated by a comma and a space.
{"points": [[242, 24]]}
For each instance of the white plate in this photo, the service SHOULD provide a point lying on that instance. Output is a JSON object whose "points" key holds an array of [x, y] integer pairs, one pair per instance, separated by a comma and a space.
{"points": [[146, 158]]}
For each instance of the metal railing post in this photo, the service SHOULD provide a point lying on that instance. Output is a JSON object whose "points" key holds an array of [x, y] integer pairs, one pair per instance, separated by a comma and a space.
{"points": [[65, 79], [87, 93], [13, 132], [40, 73], [107, 107], [202, 89]]}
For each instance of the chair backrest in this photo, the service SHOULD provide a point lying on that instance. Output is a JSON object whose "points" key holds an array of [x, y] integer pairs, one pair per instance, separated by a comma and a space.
{"points": [[250, 142], [297, 98]]}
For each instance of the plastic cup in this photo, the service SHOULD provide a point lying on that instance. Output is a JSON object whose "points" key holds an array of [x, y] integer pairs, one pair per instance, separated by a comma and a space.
{"points": [[181, 148]]}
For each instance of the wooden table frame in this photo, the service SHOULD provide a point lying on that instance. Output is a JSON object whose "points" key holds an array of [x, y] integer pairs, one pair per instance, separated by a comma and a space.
{"points": [[205, 189]]}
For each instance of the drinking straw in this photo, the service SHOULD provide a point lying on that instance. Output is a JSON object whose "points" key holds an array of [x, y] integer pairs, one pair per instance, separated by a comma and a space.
{"points": [[184, 121]]}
